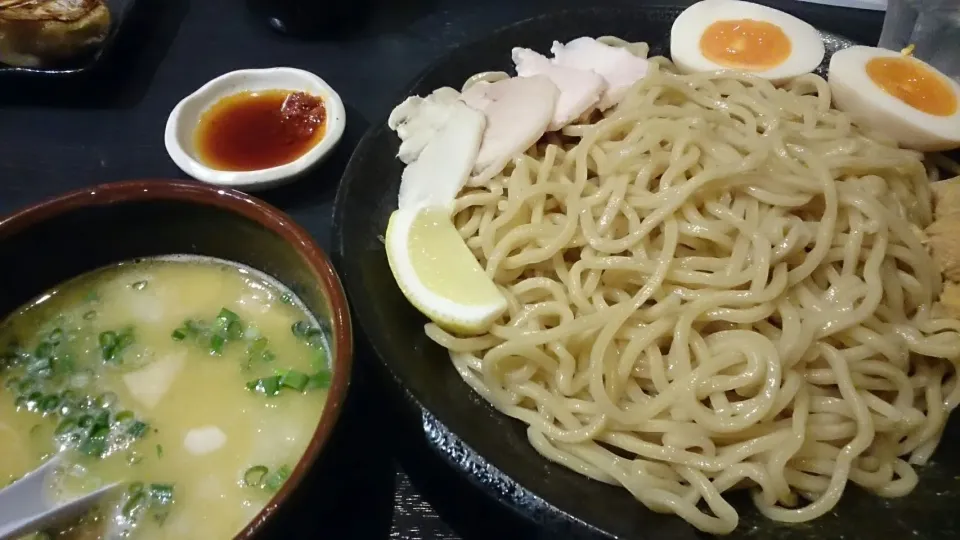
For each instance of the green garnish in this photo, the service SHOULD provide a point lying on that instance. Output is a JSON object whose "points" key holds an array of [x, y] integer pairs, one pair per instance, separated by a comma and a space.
{"points": [[294, 379], [105, 400], [49, 403], [178, 335], [159, 451], [139, 286], [268, 386], [228, 316], [161, 493], [275, 480], [133, 504], [286, 298], [300, 329], [254, 476], [113, 343], [90, 315], [137, 429], [216, 345], [96, 444]]}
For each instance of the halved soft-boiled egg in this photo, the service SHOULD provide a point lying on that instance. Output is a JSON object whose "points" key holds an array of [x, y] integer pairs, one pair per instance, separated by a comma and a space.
{"points": [[728, 34], [897, 95]]}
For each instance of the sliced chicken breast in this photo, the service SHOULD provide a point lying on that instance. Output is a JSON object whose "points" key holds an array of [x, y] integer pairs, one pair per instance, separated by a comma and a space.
{"points": [[518, 111], [445, 160], [618, 67], [580, 90]]}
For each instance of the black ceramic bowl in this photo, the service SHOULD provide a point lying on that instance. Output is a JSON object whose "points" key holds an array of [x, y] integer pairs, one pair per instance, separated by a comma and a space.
{"points": [[490, 449], [48, 243]]}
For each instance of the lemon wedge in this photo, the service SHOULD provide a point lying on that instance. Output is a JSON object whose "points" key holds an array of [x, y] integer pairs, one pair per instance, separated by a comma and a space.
{"points": [[437, 272]]}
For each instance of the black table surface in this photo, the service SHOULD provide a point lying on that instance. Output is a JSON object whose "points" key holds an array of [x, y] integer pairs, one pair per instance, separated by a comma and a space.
{"points": [[58, 138]]}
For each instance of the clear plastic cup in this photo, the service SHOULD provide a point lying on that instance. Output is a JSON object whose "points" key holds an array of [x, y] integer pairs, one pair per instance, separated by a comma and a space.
{"points": [[931, 26]]}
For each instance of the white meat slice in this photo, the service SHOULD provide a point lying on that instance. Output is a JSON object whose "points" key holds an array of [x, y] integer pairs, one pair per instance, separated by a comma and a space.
{"points": [[444, 163], [417, 120], [518, 112], [580, 90], [618, 67]]}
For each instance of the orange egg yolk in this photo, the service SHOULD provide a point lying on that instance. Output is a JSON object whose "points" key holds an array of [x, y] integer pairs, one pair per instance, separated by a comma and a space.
{"points": [[745, 44], [913, 83]]}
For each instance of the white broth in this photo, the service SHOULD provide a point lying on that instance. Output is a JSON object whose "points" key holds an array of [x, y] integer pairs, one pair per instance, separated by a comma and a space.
{"points": [[197, 381]]}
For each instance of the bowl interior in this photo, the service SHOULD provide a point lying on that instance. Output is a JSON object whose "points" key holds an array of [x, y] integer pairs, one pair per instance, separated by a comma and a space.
{"points": [[491, 449], [83, 231]]}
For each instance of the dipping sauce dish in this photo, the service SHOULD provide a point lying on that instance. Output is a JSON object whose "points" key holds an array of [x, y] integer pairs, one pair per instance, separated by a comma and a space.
{"points": [[251, 131], [256, 128]]}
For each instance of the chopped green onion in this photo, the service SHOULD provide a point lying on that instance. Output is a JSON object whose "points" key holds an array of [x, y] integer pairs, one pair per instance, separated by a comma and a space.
{"points": [[294, 379], [96, 444], [161, 493], [56, 336], [300, 329], [125, 338], [50, 403], [106, 400], [123, 417], [275, 480], [137, 429], [320, 380], [65, 426], [258, 348], [319, 360], [253, 477], [314, 337], [178, 335], [234, 330], [286, 298], [135, 487], [34, 399], [133, 505], [26, 384], [90, 315], [268, 386], [107, 339], [228, 315], [63, 364], [139, 286], [43, 350], [216, 345], [159, 451], [42, 367]]}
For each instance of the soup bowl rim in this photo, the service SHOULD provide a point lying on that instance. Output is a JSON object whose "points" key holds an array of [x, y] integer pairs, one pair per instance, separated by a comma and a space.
{"points": [[266, 215]]}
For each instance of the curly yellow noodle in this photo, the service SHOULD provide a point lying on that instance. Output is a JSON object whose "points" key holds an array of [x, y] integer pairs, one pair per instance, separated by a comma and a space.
{"points": [[720, 284]]}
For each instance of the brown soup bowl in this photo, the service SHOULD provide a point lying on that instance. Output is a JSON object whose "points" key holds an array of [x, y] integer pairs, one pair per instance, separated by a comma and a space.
{"points": [[53, 241]]}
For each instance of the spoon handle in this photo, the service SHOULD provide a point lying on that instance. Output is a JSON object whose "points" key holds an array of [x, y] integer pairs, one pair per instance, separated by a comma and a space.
{"points": [[25, 508]]}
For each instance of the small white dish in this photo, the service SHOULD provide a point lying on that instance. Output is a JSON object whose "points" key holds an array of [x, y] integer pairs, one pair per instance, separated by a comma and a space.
{"points": [[185, 117]]}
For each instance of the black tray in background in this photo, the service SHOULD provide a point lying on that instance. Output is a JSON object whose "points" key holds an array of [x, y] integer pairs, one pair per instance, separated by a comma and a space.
{"points": [[122, 14]]}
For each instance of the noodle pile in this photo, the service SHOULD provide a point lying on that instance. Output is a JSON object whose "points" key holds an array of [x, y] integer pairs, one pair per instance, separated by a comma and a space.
{"points": [[718, 285]]}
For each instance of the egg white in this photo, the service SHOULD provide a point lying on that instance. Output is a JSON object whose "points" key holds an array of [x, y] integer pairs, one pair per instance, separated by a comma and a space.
{"points": [[855, 93], [806, 45]]}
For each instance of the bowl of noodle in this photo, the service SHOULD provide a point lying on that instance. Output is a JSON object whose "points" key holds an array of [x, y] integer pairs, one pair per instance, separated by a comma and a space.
{"points": [[722, 315]]}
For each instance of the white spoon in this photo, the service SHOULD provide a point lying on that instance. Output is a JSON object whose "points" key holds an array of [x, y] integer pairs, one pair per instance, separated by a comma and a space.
{"points": [[25, 508]]}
